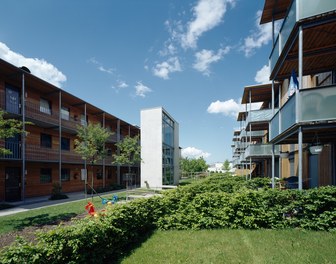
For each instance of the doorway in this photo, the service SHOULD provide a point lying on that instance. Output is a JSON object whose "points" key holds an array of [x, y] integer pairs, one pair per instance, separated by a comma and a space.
{"points": [[13, 184], [12, 100]]}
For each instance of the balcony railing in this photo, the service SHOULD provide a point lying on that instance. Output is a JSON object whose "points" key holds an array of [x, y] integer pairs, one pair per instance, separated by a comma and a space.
{"points": [[259, 116], [298, 10], [249, 134], [315, 104], [13, 147], [261, 150]]}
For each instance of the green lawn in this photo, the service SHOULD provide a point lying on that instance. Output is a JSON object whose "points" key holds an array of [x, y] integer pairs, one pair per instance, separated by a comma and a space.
{"points": [[236, 246], [49, 214]]}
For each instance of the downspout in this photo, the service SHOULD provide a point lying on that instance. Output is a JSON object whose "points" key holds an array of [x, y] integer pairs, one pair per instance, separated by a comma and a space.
{"points": [[23, 140], [104, 151], [60, 138], [298, 104]]}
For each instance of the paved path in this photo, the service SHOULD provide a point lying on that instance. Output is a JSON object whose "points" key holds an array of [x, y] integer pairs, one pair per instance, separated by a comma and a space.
{"points": [[42, 201]]}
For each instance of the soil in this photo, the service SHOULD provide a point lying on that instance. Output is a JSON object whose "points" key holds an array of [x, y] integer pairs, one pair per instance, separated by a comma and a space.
{"points": [[28, 233]]}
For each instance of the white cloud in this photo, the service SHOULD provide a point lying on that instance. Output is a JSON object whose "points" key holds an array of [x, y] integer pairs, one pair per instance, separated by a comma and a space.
{"points": [[262, 35], [122, 84], [192, 152], [163, 69], [207, 15], [206, 57], [141, 89], [230, 107], [100, 67], [227, 108], [38, 67], [262, 76]]}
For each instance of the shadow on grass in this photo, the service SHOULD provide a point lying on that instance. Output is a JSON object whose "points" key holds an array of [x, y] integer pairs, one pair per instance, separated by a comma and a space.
{"points": [[128, 250], [41, 220]]}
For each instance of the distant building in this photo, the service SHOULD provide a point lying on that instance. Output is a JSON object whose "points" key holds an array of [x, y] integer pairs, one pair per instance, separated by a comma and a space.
{"points": [[160, 152], [216, 167]]}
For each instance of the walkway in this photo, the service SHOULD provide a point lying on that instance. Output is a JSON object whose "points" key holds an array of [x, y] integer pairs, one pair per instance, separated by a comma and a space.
{"points": [[42, 201]]}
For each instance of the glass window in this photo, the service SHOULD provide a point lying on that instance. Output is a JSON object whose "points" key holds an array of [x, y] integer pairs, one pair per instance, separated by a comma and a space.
{"points": [[46, 140], [83, 120], [45, 106], [45, 175], [65, 113], [65, 143], [65, 174]]}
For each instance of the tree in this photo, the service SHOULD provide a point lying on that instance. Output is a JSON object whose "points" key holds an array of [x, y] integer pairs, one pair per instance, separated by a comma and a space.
{"points": [[226, 166], [129, 151], [193, 165], [90, 144], [8, 128]]}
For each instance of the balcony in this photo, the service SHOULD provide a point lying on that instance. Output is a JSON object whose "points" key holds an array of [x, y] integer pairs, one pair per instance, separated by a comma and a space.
{"points": [[259, 116], [312, 105], [34, 113], [253, 134], [299, 9], [261, 150]]}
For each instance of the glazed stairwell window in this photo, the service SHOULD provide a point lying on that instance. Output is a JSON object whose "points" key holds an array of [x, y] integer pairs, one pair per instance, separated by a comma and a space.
{"points": [[45, 106], [46, 141]]}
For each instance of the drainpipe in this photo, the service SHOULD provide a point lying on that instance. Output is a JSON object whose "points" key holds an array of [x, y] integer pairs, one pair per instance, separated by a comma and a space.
{"points": [[23, 139], [118, 151], [273, 157], [250, 101], [60, 137], [104, 157], [85, 165]]}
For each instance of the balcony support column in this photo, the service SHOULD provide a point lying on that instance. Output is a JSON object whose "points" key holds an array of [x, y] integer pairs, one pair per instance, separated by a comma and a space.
{"points": [[60, 137], [23, 139], [104, 157], [250, 101], [85, 165], [300, 69], [300, 158], [118, 151], [273, 167]]}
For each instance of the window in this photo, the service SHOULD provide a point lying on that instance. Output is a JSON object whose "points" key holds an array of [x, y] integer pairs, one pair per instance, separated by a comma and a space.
{"points": [[45, 106], [65, 143], [65, 174], [83, 120], [46, 140], [65, 113], [45, 175]]}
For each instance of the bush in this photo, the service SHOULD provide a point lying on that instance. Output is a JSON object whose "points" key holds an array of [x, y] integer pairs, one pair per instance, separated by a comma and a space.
{"points": [[56, 193]]}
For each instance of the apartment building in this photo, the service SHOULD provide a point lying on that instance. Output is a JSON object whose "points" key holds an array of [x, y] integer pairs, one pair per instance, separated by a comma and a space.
{"points": [[45, 155], [303, 119]]}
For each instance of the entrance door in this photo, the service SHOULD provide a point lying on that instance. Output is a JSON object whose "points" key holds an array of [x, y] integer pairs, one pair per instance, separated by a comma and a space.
{"points": [[13, 184], [313, 171], [12, 100]]}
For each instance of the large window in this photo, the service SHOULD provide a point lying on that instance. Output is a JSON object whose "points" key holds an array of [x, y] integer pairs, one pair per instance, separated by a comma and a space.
{"points": [[65, 143], [46, 140], [167, 150], [65, 174], [45, 175], [45, 106], [84, 120], [65, 113]]}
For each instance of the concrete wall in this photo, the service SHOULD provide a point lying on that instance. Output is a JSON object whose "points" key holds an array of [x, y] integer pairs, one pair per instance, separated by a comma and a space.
{"points": [[151, 147]]}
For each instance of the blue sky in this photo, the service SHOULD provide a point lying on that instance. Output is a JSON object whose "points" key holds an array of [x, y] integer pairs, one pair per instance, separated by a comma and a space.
{"points": [[193, 57]]}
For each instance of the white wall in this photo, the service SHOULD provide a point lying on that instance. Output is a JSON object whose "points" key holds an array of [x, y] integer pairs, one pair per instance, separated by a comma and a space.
{"points": [[151, 147]]}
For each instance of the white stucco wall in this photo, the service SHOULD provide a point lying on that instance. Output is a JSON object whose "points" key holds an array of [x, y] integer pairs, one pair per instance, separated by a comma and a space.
{"points": [[151, 147]]}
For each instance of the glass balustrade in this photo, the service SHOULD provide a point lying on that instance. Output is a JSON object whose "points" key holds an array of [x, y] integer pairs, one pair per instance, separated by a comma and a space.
{"points": [[261, 150]]}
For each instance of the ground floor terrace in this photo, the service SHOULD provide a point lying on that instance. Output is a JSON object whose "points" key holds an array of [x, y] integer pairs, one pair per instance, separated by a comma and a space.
{"points": [[39, 178]]}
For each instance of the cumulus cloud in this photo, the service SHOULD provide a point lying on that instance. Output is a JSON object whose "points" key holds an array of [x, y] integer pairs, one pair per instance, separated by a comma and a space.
{"points": [[194, 153], [141, 89], [262, 76], [227, 108], [122, 84], [163, 69], [262, 35], [205, 58], [38, 67], [207, 15]]}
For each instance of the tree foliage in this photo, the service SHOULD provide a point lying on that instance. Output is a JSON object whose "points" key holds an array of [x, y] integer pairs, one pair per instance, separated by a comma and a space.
{"points": [[8, 128], [226, 165], [193, 165], [90, 142], [129, 151]]}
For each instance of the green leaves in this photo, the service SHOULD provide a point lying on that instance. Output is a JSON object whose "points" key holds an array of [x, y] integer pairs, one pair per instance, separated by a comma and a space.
{"points": [[90, 142], [129, 151], [193, 165]]}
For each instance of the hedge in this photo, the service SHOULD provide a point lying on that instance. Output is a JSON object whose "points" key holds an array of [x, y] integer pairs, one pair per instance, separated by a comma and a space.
{"points": [[216, 202]]}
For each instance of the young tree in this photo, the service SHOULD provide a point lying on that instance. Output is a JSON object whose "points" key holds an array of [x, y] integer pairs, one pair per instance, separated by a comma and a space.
{"points": [[8, 128], [226, 165], [129, 151], [90, 144]]}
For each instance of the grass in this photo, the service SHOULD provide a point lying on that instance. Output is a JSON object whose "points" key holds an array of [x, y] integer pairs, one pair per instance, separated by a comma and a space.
{"points": [[236, 246], [49, 215]]}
